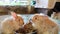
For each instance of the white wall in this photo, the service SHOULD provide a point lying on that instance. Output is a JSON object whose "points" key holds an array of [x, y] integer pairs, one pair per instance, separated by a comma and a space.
{"points": [[58, 0]]}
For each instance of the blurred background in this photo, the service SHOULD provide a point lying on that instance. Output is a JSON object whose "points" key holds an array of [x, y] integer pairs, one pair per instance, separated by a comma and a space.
{"points": [[48, 7], [29, 6]]}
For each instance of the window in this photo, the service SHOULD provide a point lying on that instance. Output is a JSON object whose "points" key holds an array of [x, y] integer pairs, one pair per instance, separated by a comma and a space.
{"points": [[13, 2]]}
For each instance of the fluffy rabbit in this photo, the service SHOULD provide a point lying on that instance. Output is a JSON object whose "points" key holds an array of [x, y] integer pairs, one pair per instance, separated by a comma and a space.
{"points": [[43, 24], [9, 26]]}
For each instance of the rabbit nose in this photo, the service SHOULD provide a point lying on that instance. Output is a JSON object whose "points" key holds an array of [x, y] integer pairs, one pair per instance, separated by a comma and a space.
{"points": [[30, 20]]}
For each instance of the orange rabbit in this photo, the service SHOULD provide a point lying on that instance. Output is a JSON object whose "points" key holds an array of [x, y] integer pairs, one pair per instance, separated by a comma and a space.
{"points": [[17, 18], [43, 24], [10, 25]]}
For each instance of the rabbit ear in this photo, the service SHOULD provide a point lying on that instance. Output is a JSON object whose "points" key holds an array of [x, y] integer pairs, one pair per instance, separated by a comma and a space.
{"points": [[14, 14]]}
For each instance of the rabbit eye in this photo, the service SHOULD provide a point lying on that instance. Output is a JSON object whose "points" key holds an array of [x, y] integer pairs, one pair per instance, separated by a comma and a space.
{"points": [[19, 20], [35, 18]]}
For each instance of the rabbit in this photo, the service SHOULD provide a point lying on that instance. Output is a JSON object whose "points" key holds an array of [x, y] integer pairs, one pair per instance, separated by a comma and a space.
{"points": [[42, 23], [9, 26]]}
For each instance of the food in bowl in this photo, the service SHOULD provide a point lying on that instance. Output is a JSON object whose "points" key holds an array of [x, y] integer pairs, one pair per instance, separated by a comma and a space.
{"points": [[28, 28]]}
